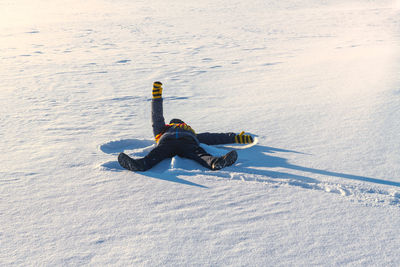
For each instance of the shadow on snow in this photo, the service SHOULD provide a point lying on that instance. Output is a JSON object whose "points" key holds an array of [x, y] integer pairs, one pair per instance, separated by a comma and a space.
{"points": [[249, 160], [260, 156]]}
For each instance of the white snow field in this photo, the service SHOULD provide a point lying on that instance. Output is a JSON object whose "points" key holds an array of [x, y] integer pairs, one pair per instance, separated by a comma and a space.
{"points": [[317, 81]]}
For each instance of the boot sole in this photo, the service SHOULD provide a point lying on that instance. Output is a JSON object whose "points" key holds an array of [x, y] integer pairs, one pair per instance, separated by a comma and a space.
{"points": [[225, 161], [127, 162]]}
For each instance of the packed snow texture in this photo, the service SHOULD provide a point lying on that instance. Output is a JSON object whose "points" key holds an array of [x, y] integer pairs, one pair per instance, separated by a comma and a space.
{"points": [[317, 82]]}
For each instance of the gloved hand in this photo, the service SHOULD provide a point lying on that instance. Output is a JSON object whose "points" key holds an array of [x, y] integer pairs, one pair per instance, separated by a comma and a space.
{"points": [[243, 138], [157, 90]]}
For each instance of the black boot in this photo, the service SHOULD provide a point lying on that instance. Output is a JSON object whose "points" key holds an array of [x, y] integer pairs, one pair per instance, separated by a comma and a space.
{"points": [[225, 161], [130, 164]]}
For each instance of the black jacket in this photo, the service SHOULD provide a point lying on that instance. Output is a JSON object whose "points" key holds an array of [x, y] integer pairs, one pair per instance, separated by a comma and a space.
{"points": [[164, 131]]}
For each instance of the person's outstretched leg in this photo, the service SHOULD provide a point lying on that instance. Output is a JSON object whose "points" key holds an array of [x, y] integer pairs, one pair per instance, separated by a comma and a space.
{"points": [[131, 164], [195, 152], [158, 154]]}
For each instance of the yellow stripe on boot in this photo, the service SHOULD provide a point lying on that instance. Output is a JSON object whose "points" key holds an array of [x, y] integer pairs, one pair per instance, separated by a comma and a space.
{"points": [[157, 89], [243, 138]]}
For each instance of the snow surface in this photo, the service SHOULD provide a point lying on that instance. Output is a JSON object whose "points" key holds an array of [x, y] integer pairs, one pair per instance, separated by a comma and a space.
{"points": [[317, 81]]}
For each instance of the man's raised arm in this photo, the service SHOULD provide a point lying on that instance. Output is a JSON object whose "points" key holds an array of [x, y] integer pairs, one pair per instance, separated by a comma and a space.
{"points": [[157, 117]]}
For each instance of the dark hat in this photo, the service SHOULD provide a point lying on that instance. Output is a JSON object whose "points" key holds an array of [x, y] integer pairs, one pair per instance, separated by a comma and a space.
{"points": [[176, 121]]}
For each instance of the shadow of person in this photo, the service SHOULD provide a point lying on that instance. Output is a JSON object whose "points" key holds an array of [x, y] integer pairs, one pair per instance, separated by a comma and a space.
{"points": [[252, 161], [160, 172], [249, 159], [261, 157]]}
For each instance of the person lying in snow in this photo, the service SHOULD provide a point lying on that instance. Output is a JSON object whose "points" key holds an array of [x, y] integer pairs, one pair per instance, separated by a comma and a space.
{"points": [[178, 138]]}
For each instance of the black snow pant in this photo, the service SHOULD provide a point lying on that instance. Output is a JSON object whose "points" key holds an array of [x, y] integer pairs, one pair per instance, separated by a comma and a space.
{"points": [[184, 148]]}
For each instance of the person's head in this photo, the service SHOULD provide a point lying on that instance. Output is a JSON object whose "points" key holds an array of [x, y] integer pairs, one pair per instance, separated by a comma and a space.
{"points": [[176, 121]]}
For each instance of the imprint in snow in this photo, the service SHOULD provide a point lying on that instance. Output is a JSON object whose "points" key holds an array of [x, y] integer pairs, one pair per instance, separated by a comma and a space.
{"points": [[124, 98], [271, 63], [112, 166], [343, 191], [100, 241], [9, 180], [123, 61], [118, 146], [255, 163], [395, 195]]}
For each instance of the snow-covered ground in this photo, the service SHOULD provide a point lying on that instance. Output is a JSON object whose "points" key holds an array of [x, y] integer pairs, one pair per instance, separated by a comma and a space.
{"points": [[317, 81]]}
